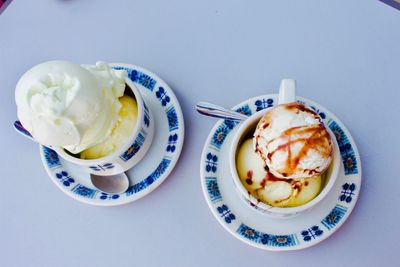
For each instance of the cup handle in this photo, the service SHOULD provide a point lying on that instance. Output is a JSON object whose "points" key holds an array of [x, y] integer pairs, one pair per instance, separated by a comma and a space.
{"points": [[287, 91]]}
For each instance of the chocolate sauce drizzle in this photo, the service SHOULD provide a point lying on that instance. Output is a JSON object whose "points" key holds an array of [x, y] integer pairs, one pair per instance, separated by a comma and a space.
{"points": [[295, 184], [317, 139]]}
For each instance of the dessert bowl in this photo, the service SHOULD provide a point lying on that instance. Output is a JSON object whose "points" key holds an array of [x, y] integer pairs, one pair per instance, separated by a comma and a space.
{"points": [[329, 177], [131, 152], [152, 170], [246, 129], [273, 233]]}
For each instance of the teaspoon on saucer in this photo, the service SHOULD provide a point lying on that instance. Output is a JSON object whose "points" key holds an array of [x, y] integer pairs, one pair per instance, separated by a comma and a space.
{"points": [[286, 95], [112, 184], [215, 111]]}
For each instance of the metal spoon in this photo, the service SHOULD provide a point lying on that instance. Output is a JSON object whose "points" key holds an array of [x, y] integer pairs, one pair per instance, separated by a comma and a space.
{"points": [[111, 184], [216, 111], [287, 94]]}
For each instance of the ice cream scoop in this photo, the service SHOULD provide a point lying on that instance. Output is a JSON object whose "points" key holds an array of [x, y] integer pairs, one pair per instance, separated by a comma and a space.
{"points": [[277, 192], [126, 122], [293, 141], [293, 193], [63, 104], [250, 166]]}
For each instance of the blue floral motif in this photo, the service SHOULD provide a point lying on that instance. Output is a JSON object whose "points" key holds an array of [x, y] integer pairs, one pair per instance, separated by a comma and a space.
{"points": [[51, 157], [172, 119], [84, 191], [158, 171], [224, 129], [346, 150], [266, 239], [150, 179], [105, 196], [347, 192], [161, 94], [339, 133], [334, 217], [139, 77], [320, 113], [144, 80], [263, 103], [225, 212], [172, 139], [230, 124], [211, 162], [311, 233], [245, 110], [249, 233], [282, 240], [135, 147], [136, 188], [65, 178], [102, 167], [219, 136], [146, 118], [350, 163], [213, 189]]}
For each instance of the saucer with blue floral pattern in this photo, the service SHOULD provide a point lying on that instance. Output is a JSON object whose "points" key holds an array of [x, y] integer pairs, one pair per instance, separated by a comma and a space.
{"points": [[277, 234], [152, 170]]}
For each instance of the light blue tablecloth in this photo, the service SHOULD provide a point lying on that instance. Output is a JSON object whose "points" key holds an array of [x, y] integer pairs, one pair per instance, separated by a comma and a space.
{"points": [[344, 54]]}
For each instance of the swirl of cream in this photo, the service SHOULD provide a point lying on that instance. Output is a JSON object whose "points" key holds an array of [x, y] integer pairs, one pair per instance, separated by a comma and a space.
{"points": [[64, 104]]}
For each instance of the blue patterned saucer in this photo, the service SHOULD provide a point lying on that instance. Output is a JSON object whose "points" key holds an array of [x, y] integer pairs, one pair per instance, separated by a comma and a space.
{"points": [[255, 229], [152, 170]]}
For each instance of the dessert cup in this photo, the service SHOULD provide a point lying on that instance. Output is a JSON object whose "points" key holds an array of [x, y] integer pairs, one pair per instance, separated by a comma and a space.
{"points": [[246, 129], [131, 152]]}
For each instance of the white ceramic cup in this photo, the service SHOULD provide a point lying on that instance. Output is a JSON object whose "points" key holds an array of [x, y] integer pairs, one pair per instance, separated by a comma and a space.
{"points": [[129, 154], [286, 95]]}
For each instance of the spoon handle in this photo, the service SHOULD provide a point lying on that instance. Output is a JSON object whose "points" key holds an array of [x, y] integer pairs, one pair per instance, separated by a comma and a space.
{"points": [[215, 111], [20, 129]]}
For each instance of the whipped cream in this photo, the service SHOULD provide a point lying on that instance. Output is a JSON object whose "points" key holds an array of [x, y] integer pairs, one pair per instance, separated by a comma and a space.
{"points": [[66, 105]]}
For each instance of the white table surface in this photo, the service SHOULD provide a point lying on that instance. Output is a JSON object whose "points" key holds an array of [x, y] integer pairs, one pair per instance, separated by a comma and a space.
{"points": [[344, 55]]}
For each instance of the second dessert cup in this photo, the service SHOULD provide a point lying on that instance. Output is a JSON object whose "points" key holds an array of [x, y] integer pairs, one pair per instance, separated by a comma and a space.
{"points": [[286, 95]]}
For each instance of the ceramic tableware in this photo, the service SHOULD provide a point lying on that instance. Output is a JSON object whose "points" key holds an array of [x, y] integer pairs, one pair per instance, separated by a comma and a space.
{"points": [[268, 233], [129, 154], [154, 167], [246, 128]]}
